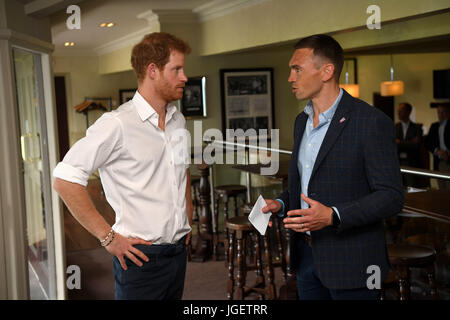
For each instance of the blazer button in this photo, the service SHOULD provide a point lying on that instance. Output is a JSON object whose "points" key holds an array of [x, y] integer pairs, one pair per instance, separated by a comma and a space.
{"points": [[312, 194]]}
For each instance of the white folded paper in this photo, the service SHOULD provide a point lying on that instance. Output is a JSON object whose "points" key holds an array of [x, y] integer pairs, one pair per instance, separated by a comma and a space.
{"points": [[257, 218]]}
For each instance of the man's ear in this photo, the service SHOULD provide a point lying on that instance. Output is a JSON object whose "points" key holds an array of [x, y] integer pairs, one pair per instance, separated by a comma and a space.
{"points": [[327, 71], [152, 71]]}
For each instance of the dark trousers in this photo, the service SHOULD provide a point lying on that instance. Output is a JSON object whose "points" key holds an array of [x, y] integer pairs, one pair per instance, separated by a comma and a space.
{"points": [[161, 278], [310, 287]]}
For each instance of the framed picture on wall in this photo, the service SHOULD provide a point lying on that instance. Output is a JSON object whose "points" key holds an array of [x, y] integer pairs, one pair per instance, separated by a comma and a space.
{"points": [[247, 99], [126, 95], [193, 102]]}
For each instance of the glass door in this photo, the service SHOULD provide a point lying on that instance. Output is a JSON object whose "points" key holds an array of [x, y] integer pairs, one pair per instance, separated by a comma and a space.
{"points": [[36, 173]]}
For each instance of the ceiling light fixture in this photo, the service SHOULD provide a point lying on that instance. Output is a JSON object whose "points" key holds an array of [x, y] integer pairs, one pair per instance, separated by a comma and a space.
{"points": [[352, 89], [392, 88], [106, 24]]}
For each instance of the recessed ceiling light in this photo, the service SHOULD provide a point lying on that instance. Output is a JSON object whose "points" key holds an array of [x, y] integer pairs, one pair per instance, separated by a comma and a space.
{"points": [[66, 44], [72, 44], [108, 25]]}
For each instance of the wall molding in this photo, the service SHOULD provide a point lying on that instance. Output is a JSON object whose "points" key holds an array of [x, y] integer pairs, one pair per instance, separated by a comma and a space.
{"points": [[219, 8], [122, 42]]}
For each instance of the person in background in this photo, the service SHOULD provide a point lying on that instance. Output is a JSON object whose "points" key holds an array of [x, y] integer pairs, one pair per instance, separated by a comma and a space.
{"points": [[438, 143], [136, 150], [344, 180], [408, 138]]}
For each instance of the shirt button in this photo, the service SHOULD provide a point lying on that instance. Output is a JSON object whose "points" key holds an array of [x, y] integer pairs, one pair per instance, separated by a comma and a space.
{"points": [[309, 145], [307, 166]]}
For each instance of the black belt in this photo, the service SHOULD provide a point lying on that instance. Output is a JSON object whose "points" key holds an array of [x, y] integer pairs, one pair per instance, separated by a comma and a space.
{"points": [[166, 249]]}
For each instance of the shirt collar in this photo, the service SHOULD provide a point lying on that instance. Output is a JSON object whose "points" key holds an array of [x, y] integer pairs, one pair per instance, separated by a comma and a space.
{"points": [[146, 111], [329, 113]]}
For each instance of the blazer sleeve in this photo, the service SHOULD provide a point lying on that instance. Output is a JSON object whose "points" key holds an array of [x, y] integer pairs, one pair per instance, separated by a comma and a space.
{"points": [[432, 139], [383, 175], [284, 196]]}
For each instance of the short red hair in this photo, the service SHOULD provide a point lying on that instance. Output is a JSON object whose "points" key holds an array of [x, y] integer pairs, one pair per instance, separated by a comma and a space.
{"points": [[155, 48]]}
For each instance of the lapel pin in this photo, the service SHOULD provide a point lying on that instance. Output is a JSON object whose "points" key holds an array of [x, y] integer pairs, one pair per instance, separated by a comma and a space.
{"points": [[342, 120]]}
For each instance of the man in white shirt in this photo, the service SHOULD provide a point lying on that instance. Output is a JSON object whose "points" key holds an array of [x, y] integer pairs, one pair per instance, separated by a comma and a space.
{"points": [[145, 177]]}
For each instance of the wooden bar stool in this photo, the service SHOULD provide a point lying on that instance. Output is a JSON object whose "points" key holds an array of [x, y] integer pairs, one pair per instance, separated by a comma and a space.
{"points": [[195, 185], [240, 229], [281, 260], [224, 193], [405, 256]]}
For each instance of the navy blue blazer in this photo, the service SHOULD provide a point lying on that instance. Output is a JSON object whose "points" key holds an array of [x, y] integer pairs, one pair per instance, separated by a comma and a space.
{"points": [[356, 171]]}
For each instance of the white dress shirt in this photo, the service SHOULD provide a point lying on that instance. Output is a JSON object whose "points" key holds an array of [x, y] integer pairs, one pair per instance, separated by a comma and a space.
{"points": [[142, 169]]}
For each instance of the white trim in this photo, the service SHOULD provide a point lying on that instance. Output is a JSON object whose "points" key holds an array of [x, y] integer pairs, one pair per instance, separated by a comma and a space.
{"points": [[122, 42], [3, 283], [177, 16], [22, 38], [219, 8], [150, 16], [11, 183], [53, 155]]}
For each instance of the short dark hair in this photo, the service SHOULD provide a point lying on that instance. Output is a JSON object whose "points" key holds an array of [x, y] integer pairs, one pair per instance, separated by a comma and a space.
{"points": [[155, 48], [407, 106], [326, 47]]}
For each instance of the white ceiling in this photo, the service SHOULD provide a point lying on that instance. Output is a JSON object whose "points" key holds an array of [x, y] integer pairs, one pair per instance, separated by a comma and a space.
{"points": [[122, 12]]}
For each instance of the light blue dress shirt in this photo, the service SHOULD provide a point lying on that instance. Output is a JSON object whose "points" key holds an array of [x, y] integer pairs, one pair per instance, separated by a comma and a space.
{"points": [[310, 146]]}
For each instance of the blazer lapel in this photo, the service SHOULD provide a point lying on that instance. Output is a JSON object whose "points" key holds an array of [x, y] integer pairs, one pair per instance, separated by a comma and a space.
{"points": [[409, 131], [299, 130], [339, 121], [399, 129]]}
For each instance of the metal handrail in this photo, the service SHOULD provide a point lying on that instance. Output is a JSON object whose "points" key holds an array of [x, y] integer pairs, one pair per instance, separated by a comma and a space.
{"points": [[403, 169]]}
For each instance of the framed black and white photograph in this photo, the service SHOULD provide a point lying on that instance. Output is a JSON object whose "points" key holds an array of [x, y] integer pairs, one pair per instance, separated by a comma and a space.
{"points": [[247, 99], [126, 95], [193, 102]]}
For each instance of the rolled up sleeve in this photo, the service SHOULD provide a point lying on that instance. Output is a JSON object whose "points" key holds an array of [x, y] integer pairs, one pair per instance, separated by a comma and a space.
{"points": [[100, 146]]}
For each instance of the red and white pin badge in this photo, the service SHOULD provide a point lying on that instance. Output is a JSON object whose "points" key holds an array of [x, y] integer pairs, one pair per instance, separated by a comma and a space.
{"points": [[342, 120]]}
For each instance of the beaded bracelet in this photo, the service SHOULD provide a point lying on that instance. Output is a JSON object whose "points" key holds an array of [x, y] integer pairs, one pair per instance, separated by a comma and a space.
{"points": [[107, 237], [111, 240]]}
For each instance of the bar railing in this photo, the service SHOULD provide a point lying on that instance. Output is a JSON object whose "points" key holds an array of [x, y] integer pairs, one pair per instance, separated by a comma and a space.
{"points": [[403, 169]]}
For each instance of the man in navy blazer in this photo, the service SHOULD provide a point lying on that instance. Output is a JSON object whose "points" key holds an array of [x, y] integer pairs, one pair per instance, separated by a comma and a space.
{"points": [[344, 180]]}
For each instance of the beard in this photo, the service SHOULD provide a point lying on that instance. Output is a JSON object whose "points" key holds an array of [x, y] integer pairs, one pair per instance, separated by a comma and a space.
{"points": [[169, 92]]}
